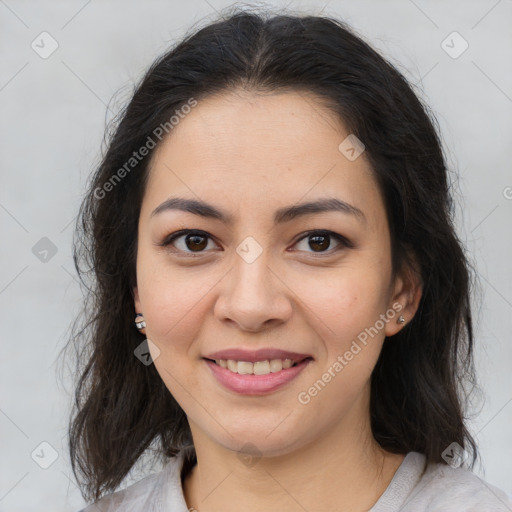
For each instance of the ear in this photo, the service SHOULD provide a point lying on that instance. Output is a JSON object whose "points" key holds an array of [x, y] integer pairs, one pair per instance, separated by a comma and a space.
{"points": [[138, 306], [407, 291]]}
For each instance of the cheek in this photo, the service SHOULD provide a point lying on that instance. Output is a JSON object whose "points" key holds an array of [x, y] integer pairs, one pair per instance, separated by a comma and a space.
{"points": [[166, 297], [343, 302], [173, 308], [175, 312], [344, 316]]}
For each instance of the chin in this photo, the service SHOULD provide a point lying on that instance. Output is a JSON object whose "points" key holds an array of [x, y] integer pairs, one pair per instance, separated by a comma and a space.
{"points": [[257, 443]]}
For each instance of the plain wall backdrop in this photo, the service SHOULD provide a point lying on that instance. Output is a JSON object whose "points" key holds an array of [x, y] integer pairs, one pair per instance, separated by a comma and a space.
{"points": [[54, 102]]}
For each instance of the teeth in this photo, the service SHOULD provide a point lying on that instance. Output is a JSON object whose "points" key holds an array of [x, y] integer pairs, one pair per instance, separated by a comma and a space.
{"points": [[261, 367], [276, 365], [245, 368], [257, 368]]}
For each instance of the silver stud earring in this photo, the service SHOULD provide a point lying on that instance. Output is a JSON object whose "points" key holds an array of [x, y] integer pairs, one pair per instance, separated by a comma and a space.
{"points": [[139, 321], [401, 320]]}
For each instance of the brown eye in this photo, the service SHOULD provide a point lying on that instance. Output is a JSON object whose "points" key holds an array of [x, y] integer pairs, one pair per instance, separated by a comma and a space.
{"points": [[321, 241], [187, 241], [196, 242]]}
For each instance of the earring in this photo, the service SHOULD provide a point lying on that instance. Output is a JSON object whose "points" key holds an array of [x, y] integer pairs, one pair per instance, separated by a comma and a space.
{"points": [[140, 322], [401, 320]]}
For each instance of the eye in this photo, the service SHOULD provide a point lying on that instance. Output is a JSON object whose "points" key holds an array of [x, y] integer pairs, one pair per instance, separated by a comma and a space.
{"points": [[320, 241], [194, 241]]}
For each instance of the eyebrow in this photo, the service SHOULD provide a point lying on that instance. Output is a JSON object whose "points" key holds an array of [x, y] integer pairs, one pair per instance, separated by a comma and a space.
{"points": [[281, 215]]}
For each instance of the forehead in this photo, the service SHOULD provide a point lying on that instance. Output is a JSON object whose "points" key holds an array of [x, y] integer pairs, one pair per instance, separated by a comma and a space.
{"points": [[256, 150], [241, 124]]}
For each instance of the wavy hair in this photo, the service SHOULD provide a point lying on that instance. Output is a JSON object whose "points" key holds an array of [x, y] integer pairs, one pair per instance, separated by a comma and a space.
{"points": [[122, 408]]}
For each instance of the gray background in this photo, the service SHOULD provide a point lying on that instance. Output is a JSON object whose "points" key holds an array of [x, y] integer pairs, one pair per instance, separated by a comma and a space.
{"points": [[53, 116]]}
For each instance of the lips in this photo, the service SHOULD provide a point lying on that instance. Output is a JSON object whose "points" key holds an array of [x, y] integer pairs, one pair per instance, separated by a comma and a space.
{"points": [[256, 384], [253, 356], [284, 367]]}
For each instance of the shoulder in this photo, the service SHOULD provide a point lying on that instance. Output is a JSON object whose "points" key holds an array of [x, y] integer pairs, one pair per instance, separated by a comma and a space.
{"points": [[135, 497], [148, 494], [444, 488], [418, 487]]}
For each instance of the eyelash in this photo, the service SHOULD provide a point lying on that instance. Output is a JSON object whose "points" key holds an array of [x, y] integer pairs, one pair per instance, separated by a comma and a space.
{"points": [[344, 242]]}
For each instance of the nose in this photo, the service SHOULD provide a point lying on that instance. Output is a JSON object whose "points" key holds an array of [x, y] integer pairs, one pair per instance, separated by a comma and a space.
{"points": [[253, 297]]}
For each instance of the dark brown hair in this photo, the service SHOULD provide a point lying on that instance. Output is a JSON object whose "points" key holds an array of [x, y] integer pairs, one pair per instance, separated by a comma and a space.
{"points": [[419, 385]]}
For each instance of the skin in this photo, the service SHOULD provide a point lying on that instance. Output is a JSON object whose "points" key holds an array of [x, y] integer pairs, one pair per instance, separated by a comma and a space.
{"points": [[250, 155]]}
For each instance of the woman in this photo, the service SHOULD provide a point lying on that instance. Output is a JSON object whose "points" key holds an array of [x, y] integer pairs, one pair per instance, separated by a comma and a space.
{"points": [[280, 308]]}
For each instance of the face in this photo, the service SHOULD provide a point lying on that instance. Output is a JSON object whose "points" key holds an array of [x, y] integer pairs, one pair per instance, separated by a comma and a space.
{"points": [[254, 278]]}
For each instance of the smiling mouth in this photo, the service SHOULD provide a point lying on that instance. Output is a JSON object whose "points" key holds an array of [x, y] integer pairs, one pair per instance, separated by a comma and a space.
{"points": [[263, 367]]}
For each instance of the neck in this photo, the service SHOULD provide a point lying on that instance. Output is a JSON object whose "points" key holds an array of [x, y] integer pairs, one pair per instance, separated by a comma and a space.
{"points": [[347, 470]]}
